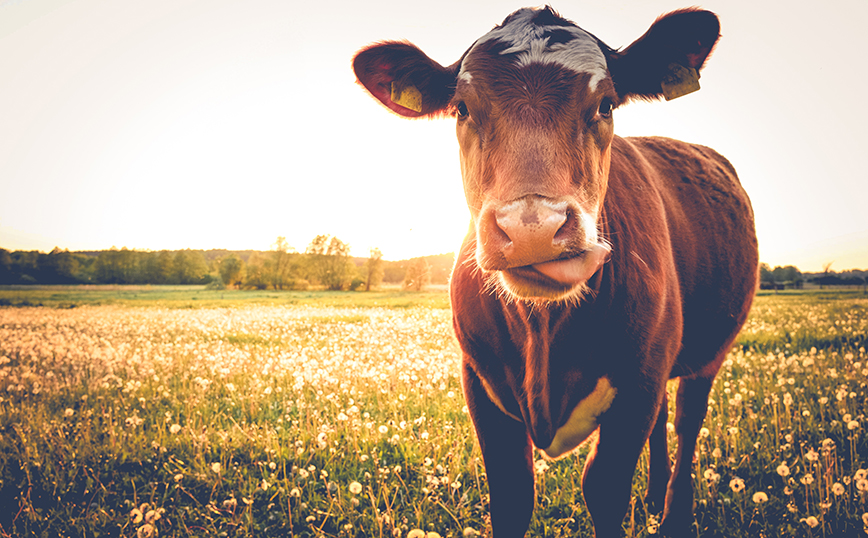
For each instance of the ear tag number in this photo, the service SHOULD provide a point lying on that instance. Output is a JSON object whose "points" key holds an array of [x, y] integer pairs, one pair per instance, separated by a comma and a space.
{"points": [[407, 96], [680, 81]]}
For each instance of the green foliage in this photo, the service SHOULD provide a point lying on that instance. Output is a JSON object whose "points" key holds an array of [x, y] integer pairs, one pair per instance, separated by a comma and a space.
{"points": [[329, 262]]}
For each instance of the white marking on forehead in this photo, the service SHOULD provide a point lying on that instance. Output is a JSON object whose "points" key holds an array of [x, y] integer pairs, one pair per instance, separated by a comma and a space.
{"points": [[528, 41]]}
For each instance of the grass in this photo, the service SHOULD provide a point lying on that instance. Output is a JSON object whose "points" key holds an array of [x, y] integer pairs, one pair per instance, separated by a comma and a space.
{"points": [[340, 414], [200, 297]]}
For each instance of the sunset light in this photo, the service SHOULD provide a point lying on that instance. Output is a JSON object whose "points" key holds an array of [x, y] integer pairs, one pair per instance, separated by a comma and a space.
{"points": [[185, 124]]}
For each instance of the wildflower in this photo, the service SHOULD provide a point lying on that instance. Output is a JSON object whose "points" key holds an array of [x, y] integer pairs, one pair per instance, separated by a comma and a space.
{"points": [[810, 521], [146, 531], [322, 440], [788, 399], [355, 488], [704, 433], [179, 477], [230, 503], [716, 453], [540, 466], [783, 470], [862, 484], [470, 532], [295, 492], [384, 430], [137, 516], [310, 519], [432, 534], [264, 485], [736, 485], [174, 428], [865, 519], [860, 474], [852, 425], [837, 489], [759, 497], [216, 467], [416, 533], [807, 480], [69, 412]]}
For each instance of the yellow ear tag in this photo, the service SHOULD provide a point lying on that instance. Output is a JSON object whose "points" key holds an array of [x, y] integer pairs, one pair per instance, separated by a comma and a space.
{"points": [[407, 97], [680, 81]]}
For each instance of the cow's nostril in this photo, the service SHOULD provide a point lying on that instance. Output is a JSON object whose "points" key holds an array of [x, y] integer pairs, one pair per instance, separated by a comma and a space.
{"points": [[568, 228]]}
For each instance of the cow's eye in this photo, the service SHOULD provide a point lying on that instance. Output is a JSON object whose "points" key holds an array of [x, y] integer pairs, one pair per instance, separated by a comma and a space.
{"points": [[606, 107], [461, 108]]}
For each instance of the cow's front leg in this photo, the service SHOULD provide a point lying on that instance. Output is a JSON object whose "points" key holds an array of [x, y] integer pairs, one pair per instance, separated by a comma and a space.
{"points": [[508, 457], [608, 475]]}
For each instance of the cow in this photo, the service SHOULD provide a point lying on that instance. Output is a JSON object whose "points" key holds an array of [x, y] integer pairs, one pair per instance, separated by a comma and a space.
{"points": [[596, 268]]}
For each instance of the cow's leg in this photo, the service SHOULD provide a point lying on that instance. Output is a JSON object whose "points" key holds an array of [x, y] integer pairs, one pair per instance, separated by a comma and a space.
{"points": [[508, 458], [691, 407], [659, 468], [608, 475]]}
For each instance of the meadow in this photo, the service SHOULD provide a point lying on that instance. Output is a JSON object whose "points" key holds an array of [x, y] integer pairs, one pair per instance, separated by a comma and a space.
{"points": [[178, 412]]}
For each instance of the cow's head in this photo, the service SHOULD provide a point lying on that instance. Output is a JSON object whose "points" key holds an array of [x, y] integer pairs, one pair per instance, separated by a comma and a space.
{"points": [[533, 100]]}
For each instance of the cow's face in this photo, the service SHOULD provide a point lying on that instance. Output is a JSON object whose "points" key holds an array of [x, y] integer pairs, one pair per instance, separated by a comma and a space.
{"points": [[533, 100]]}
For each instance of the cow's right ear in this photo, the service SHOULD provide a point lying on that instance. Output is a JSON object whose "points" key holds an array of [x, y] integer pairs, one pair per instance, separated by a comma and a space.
{"points": [[405, 80]]}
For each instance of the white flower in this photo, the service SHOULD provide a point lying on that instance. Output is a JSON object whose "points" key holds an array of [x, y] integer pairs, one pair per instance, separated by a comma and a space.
{"points": [[355, 488], [759, 497], [216, 467], [174, 428]]}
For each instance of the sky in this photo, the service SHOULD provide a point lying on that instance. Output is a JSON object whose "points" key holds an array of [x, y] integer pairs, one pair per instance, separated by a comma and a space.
{"points": [[171, 124]]}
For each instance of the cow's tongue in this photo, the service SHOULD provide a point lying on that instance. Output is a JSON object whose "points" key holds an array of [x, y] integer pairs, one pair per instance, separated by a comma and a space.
{"points": [[576, 270]]}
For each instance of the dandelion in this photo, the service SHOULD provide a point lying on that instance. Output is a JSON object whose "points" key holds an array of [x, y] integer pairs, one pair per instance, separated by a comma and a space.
{"points": [[137, 515], [807, 480], [865, 519], [759, 497], [230, 504], [432, 534], [540, 467], [216, 467], [416, 533], [811, 521], [68, 412], [852, 425], [295, 493], [704, 433], [146, 531], [384, 430], [355, 488], [469, 532], [178, 477], [838, 489], [812, 455], [783, 470], [736, 485], [174, 428], [862, 485]]}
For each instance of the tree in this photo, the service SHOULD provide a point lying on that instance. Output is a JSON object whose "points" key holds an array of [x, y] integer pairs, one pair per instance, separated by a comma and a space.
{"points": [[418, 275], [375, 270], [329, 262], [258, 272], [231, 270], [189, 267], [282, 264]]}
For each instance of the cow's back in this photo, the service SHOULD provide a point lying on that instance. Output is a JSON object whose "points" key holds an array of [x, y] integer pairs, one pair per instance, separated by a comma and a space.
{"points": [[711, 230]]}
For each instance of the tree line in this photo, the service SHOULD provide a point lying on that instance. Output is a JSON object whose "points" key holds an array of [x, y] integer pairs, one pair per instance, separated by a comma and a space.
{"points": [[789, 276], [326, 263]]}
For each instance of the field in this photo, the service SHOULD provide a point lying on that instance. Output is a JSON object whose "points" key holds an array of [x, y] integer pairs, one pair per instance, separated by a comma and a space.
{"points": [[179, 412]]}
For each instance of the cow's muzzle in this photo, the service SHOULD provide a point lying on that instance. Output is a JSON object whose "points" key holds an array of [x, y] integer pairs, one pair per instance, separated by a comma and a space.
{"points": [[539, 239]]}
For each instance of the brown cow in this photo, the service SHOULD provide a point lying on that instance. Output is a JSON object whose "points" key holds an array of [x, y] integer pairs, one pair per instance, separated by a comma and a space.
{"points": [[598, 268]]}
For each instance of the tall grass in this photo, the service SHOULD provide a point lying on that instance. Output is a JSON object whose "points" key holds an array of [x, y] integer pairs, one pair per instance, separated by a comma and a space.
{"points": [[304, 420]]}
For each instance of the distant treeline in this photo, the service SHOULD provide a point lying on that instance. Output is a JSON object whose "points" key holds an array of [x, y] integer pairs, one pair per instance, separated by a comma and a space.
{"points": [[789, 276], [326, 263]]}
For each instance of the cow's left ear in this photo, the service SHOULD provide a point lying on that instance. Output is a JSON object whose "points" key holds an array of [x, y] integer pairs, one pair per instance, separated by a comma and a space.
{"points": [[405, 80], [665, 62]]}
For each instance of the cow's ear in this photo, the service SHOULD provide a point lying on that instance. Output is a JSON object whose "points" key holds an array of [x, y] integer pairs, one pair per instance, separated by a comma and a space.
{"points": [[665, 62], [404, 79]]}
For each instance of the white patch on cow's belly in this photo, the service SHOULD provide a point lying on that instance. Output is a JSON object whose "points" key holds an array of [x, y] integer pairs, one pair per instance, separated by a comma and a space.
{"points": [[583, 419]]}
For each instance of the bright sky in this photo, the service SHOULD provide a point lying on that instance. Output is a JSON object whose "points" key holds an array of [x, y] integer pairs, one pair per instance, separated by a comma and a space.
{"points": [[169, 124]]}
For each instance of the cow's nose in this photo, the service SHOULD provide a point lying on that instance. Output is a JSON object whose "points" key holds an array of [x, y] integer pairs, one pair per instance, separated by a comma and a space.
{"points": [[530, 229]]}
